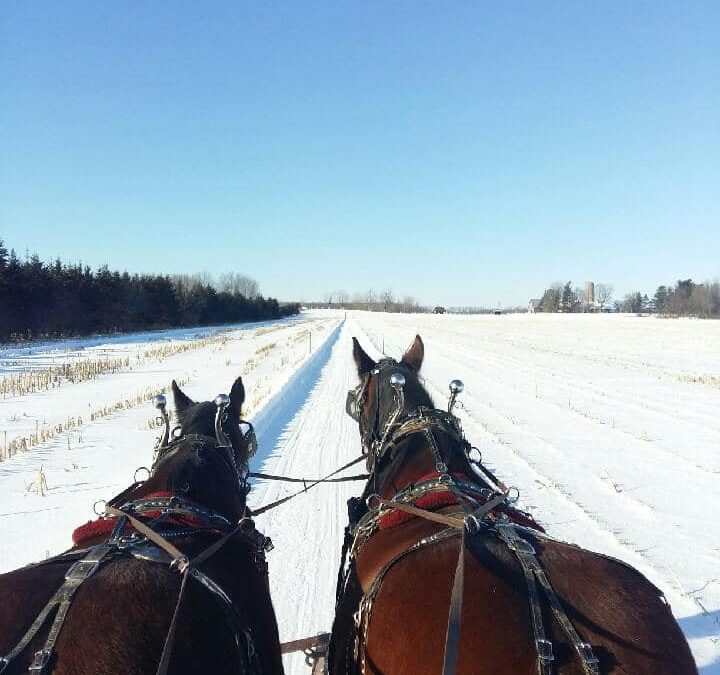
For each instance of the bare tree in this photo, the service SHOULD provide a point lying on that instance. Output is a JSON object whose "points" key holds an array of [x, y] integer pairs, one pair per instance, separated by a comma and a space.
{"points": [[603, 294], [387, 299], [234, 282], [205, 278], [409, 304]]}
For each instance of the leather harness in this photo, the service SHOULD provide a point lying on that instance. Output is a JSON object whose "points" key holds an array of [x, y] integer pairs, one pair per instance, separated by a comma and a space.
{"points": [[479, 518], [152, 543]]}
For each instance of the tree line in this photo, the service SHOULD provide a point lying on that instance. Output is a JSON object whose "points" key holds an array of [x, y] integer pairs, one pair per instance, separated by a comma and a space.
{"points": [[384, 301], [685, 298], [39, 300]]}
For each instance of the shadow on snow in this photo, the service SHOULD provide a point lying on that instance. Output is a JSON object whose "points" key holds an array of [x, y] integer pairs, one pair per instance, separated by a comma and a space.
{"points": [[272, 421]]}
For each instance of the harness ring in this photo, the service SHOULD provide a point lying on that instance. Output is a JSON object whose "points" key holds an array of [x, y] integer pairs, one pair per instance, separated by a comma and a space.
{"points": [[141, 468], [369, 500]]}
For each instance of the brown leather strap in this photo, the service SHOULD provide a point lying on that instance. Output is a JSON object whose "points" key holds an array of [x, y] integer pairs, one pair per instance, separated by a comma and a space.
{"points": [[457, 523], [452, 635], [211, 550], [452, 521], [154, 537], [305, 643], [184, 566]]}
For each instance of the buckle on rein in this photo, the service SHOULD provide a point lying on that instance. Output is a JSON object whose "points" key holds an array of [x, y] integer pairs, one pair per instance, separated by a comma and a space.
{"points": [[40, 661], [545, 651]]}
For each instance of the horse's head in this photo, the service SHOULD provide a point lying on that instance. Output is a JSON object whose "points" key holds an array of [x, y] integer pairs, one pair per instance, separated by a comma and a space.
{"points": [[392, 408], [208, 461], [404, 436], [374, 402]]}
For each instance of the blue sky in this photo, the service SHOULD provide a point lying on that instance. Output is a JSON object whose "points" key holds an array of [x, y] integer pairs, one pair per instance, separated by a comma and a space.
{"points": [[467, 153]]}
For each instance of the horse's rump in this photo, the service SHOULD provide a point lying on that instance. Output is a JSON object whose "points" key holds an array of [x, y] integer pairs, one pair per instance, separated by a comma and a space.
{"points": [[612, 606], [119, 617]]}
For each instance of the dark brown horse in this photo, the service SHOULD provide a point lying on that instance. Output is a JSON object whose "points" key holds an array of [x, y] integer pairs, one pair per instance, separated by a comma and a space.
{"points": [[527, 604], [119, 614]]}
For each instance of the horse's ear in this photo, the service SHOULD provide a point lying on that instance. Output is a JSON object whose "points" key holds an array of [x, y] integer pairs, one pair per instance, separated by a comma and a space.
{"points": [[363, 362], [413, 357], [237, 395], [182, 401]]}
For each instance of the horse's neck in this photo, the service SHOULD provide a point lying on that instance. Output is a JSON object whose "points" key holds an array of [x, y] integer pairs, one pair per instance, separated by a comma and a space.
{"points": [[414, 462], [419, 460]]}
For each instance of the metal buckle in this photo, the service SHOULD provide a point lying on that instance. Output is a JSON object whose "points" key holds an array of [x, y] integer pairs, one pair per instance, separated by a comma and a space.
{"points": [[181, 564], [472, 524], [40, 661], [132, 539], [587, 654], [520, 545], [545, 651], [81, 570], [512, 495]]}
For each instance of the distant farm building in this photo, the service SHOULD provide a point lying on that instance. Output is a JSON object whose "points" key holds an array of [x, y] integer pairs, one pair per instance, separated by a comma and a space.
{"points": [[589, 293], [439, 310], [535, 305]]}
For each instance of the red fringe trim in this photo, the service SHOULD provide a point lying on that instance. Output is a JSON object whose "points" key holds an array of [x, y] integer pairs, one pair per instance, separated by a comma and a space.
{"points": [[436, 500], [104, 526]]}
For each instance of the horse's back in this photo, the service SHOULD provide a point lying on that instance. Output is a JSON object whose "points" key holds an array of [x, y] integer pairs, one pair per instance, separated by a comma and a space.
{"points": [[612, 606], [615, 607], [117, 621]]}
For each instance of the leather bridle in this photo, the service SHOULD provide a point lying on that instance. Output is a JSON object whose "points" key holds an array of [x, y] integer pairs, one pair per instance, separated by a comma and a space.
{"points": [[223, 441], [384, 415]]}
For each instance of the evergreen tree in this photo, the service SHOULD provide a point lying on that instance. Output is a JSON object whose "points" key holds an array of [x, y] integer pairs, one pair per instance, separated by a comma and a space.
{"points": [[660, 299], [568, 300], [55, 300]]}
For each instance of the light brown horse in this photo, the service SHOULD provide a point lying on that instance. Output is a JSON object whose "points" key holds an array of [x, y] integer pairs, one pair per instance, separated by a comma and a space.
{"points": [[119, 616], [394, 597]]}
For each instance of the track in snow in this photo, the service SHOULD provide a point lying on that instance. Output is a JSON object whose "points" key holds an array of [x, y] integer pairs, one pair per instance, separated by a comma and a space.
{"points": [[313, 437]]}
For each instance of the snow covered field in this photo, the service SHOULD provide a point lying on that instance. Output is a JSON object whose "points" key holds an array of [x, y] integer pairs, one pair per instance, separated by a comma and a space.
{"points": [[608, 425]]}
